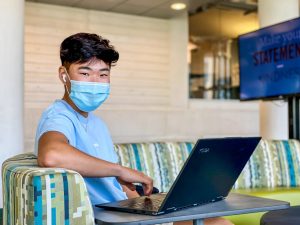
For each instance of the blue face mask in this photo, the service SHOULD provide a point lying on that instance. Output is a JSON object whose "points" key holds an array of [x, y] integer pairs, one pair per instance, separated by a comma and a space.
{"points": [[88, 96]]}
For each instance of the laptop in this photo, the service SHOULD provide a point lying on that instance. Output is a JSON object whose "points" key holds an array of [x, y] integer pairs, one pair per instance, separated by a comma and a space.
{"points": [[207, 176]]}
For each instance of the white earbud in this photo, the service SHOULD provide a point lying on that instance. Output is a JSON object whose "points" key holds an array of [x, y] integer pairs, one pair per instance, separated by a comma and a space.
{"points": [[64, 78]]}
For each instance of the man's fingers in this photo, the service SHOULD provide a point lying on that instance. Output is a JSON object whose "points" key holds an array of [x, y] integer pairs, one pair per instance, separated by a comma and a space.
{"points": [[131, 186], [130, 176], [148, 187]]}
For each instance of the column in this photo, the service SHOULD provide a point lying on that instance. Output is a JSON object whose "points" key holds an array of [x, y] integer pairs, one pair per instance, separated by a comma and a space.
{"points": [[11, 85], [274, 114], [178, 61]]}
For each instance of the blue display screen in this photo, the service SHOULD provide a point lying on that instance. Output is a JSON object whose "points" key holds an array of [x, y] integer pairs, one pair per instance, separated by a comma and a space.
{"points": [[270, 61]]}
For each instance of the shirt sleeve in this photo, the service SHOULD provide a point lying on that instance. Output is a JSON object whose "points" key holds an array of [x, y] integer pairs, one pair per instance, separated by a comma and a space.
{"points": [[58, 122], [115, 157]]}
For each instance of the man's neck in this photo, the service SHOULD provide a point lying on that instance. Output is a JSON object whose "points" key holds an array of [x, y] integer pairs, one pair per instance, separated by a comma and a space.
{"points": [[71, 103]]}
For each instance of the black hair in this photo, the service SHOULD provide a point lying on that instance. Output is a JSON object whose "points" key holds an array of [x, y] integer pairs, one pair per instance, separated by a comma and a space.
{"points": [[83, 47]]}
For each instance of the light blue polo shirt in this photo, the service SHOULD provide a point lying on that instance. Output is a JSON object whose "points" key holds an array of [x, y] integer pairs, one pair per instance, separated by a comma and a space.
{"points": [[90, 135]]}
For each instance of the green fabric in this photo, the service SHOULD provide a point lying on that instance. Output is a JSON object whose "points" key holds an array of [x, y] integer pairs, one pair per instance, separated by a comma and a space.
{"points": [[273, 164], [161, 161], [291, 195], [35, 195]]}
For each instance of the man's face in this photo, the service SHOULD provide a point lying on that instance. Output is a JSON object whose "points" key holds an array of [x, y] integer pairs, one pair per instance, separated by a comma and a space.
{"points": [[93, 71]]}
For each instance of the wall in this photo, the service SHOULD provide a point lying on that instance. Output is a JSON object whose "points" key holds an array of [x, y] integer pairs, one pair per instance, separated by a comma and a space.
{"points": [[11, 86], [274, 119], [149, 99]]}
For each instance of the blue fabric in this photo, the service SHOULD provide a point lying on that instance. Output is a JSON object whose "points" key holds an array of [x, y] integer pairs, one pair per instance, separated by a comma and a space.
{"points": [[290, 164], [137, 157], [38, 207], [88, 96], [66, 198], [90, 135], [53, 216], [7, 193]]}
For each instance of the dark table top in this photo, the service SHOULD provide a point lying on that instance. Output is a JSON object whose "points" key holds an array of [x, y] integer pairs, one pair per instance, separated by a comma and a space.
{"points": [[232, 205], [290, 216]]}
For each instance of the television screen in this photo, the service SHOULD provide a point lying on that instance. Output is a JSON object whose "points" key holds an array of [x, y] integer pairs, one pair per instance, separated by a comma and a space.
{"points": [[269, 61]]}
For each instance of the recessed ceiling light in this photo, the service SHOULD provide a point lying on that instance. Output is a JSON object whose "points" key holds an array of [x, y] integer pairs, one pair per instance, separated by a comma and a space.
{"points": [[178, 6]]}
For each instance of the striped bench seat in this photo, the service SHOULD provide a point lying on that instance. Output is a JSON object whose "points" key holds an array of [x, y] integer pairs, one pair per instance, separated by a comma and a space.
{"points": [[34, 195], [273, 164]]}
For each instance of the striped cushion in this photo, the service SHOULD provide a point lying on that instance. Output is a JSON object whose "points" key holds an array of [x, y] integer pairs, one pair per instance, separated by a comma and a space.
{"points": [[39, 196], [273, 164], [161, 161]]}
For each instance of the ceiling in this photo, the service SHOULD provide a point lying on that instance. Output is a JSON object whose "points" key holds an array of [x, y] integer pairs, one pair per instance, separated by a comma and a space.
{"points": [[154, 8], [207, 18], [150, 8], [218, 23], [215, 19]]}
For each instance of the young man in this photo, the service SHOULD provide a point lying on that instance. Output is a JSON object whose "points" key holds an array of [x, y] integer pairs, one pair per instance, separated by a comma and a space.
{"points": [[70, 136]]}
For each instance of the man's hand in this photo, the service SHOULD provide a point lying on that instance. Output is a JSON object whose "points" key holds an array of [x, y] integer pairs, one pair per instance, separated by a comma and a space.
{"points": [[129, 176]]}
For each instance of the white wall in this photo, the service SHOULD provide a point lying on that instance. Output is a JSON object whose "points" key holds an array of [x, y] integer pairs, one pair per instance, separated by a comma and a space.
{"points": [[274, 121], [11, 85], [149, 99]]}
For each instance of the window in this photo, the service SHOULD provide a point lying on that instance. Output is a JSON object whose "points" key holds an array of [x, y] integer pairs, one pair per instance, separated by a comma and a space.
{"points": [[214, 70], [213, 52]]}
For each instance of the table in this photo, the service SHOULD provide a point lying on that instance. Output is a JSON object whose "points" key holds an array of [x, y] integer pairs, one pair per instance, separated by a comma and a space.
{"points": [[232, 205], [288, 216]]}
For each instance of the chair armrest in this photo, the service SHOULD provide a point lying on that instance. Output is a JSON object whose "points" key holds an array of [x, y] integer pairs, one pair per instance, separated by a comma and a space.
{"points": [[35, 195]]}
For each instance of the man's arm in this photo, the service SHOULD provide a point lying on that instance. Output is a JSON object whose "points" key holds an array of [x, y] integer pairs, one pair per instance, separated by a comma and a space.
{"points": [[55, 151]]}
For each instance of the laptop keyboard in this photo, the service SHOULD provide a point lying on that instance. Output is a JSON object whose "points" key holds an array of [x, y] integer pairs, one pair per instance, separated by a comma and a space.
{"points": [[151, 203]]}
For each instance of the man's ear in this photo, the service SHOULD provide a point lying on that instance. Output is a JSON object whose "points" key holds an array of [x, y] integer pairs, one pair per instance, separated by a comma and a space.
{"points": [[62, 75]]}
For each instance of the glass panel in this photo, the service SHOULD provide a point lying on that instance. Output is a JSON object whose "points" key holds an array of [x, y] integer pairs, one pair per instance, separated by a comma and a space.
{"points": [[214, 70]]}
